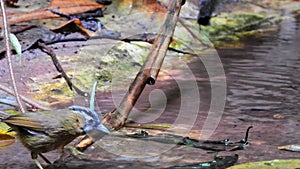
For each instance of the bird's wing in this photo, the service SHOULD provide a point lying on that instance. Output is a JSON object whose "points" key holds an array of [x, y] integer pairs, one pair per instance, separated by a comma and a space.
{"points": [[26, 122]]}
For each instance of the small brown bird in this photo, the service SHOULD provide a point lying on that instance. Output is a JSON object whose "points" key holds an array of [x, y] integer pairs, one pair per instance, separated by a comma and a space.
{"points": [[43, 131]]}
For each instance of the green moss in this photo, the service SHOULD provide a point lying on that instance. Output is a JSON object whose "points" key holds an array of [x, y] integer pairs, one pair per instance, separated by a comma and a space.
{"points": [[126, 60], [272, 164], [57, 92], [229, 27]]}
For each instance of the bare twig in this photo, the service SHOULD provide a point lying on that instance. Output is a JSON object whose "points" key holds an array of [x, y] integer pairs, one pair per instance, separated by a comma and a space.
{"points": [[25, 99], [59, 68], [161, 127], [193, 34], [147, 74], [8, 53], [150, 69]]}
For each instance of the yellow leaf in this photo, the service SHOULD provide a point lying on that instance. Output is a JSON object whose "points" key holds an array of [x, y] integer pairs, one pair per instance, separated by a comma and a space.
{"points": [[6, 130]]}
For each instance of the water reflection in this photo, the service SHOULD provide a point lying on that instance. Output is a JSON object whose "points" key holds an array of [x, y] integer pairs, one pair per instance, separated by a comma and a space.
{"points": [[263, 74]]}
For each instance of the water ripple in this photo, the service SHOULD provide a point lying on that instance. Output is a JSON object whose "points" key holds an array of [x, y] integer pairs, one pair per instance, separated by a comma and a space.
{"points": [[264, 74]]}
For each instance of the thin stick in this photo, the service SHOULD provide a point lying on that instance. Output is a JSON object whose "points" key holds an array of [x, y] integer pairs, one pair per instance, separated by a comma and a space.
{"points": [[59, 68], [161, 45], [8, 54], [193, 34], [148, 73]]}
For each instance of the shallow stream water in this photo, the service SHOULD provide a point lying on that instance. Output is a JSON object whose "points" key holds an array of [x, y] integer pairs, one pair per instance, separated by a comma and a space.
{"points": [[264, 74], [263, 84]]}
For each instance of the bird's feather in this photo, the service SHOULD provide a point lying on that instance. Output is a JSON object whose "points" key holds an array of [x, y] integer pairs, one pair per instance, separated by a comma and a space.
{"points": [[25, 121]]}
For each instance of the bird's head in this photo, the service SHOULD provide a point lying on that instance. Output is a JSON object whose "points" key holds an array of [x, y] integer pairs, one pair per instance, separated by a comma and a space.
{"points": [[92, 119]]}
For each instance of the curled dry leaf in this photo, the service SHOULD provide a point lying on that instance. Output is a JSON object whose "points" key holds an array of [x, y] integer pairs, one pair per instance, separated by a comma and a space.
{"points": [[6, 140], [64, 6]]}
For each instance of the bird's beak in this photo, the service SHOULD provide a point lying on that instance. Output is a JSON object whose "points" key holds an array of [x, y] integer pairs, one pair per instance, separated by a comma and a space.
{"points": [[102, 128]]}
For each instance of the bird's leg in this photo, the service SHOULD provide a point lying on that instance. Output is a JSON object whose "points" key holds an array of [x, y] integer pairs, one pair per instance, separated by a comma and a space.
{"points": [[34, 158], [61, 158], [38, 164], [44, 158], [59, 163]]}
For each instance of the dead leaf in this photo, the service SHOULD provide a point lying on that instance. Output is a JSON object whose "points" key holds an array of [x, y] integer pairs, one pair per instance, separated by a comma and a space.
{"points": [[6, 140], [73, 25], [65, 6]]}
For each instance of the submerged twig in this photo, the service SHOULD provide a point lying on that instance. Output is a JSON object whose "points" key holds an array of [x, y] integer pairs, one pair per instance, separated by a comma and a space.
{"points": [[162, 127], [59, 68], [242, 144], [247, 134], [8, 54]]}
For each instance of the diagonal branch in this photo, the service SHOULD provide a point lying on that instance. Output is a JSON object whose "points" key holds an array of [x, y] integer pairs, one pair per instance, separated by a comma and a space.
{"points": [[147, 75], [25, 99], [59, 68], [149, 72]]}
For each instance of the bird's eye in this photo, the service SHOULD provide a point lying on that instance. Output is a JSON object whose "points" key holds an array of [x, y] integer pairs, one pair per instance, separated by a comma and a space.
{"points": [[90, 121]]}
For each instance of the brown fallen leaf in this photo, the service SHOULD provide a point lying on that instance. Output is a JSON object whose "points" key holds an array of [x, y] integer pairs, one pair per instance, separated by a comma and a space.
{"points": [[65, 6], [6, 140], [73, 25]]}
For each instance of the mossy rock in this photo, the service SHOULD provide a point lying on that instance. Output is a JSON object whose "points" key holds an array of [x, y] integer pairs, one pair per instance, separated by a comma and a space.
{"points": [[271, 164], [232, 26]]}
